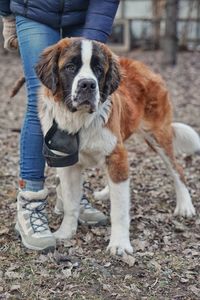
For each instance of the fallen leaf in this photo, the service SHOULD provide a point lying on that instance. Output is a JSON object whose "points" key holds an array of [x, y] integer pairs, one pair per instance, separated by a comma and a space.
{"points": [[156, 265], [147, 253], [106, 287], [4, 231], [108, 264], [195, 290], [128, 259], [179, 227], [139, 244], [184, 280], [67, 272], [13, 275], [88, 237], [15, 287]]}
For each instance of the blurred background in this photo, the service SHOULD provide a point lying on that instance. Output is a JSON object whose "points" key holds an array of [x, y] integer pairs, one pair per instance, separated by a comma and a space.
{"points": [[158, 24]]}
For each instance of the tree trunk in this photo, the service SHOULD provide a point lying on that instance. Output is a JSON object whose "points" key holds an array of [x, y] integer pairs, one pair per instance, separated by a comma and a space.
{"points": [[170, 44]]}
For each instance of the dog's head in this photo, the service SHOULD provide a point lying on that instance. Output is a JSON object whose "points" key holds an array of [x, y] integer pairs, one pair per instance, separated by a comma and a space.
{"points": [[79, 72]]}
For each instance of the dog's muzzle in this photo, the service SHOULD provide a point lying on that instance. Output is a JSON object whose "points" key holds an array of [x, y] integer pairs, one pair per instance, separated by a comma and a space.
{"points": [[86, 95], [62, 141]]}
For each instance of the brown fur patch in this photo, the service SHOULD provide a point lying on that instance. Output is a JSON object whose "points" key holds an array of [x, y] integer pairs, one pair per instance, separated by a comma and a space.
{"points": [[142, 99], [68, 49], [117, 164]]}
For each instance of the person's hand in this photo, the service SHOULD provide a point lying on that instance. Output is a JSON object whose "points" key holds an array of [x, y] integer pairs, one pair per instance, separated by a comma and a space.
{"points": [[9, 33]]}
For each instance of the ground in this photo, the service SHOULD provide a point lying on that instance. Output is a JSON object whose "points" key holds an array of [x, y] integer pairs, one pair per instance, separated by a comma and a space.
{"points": [[166, 259]]}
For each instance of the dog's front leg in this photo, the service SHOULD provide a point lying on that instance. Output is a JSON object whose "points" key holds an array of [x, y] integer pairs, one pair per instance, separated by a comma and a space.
{"points": [[70, 180], [118, 180]]}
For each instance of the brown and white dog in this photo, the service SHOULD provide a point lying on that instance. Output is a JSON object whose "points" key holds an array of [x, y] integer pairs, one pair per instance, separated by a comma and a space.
{"points": [[87, 89]]}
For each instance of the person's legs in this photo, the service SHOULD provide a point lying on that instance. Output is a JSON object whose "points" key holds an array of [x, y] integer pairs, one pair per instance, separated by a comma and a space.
{"points": [[33, 38], [32, 223]]}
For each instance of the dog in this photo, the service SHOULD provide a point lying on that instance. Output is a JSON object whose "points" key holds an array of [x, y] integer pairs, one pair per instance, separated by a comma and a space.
{"points": [[86, 89]]}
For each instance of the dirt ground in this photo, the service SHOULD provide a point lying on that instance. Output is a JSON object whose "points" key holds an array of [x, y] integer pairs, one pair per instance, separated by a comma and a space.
{"points": [[166, 260]]}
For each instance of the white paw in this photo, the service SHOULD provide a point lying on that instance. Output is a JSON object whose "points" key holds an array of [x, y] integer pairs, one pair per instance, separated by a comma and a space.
{"points": [[185, 210], [120, 248], [102, 195], [60, 235]]}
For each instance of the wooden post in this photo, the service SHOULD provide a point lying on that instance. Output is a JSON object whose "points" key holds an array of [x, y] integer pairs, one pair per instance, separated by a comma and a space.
{"points": [[170, 44], [1, 36], [157, 8], [198, 24]]}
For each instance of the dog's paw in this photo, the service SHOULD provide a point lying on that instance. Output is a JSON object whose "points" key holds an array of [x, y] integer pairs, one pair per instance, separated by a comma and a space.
{"points": [[185, 210], [102, 195], [60, 235], [119, 248]]}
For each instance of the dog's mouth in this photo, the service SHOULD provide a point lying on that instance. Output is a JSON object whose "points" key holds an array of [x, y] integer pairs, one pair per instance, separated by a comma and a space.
{"points": [[87, 104], [84, 107]]}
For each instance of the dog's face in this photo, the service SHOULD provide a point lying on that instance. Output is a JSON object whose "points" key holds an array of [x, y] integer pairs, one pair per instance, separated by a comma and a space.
{"points": [[81, 73]]}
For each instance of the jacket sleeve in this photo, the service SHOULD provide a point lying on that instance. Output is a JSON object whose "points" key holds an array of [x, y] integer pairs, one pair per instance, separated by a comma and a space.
{"points": [[99, 19], [5, 7]]}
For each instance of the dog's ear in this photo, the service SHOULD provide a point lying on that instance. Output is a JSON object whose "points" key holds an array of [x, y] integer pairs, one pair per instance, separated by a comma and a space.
{"points": [[47, 68], [113, 77]]}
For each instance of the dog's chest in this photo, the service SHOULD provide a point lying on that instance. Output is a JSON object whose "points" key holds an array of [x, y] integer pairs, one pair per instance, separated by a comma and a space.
{"points": [[95, 144], [96, 140]]}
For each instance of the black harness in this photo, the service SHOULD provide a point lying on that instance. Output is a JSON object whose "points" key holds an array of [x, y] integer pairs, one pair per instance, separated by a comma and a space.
{"points": [[60, 140]]}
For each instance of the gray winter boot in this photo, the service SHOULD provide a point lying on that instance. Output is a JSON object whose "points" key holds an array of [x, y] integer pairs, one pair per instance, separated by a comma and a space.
{"points": [[88, 215], [32, 223]]}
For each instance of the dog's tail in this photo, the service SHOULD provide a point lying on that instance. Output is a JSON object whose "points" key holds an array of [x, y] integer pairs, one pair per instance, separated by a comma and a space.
{"points": [[18, 84], [186, 139]]}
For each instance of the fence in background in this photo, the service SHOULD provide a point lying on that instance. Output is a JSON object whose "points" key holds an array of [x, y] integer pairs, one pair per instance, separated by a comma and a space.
{"points": [[141, 23]]}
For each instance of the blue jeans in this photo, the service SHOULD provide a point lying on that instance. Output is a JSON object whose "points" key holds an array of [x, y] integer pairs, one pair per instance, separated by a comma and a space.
{"points": [[33, 38]]}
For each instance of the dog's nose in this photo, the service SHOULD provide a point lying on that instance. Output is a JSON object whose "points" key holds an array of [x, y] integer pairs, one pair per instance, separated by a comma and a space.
{"points": [[87, 85]]}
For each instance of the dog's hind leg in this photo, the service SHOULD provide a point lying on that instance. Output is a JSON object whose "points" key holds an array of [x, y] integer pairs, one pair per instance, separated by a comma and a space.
{"points": [[162, 143], [118, 179], [71, 189], [102, 195], [58, 209]]}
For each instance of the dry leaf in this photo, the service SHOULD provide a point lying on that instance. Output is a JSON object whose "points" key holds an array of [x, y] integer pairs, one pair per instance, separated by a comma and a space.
{"points": [[67, 272], [15, 287], [108, 264], [195, 290], [128, 259]]}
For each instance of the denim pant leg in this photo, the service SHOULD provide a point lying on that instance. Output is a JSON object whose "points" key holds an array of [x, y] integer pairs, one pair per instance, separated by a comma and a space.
{"points": [[33, 37]]}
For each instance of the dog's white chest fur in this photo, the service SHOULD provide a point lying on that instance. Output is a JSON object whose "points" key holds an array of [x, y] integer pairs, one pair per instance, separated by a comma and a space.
{"points": [[95, 144], [96, 141]]}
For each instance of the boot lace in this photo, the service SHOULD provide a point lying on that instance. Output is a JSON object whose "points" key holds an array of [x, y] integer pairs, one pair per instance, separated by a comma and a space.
{"points": [[38, 216]]}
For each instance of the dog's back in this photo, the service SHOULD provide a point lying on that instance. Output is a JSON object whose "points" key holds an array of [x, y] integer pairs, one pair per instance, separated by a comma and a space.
{"points": [[143, 99]]}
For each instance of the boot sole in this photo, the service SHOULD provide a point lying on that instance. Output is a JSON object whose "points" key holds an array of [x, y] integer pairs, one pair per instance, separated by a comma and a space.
{"points": [[31, 247]]}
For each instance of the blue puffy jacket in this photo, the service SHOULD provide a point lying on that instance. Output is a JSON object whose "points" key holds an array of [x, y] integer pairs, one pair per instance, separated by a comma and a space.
{"points": [[94, 17]]}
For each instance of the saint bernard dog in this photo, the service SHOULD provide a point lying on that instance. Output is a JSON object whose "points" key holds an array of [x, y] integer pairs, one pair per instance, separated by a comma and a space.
{"points": [[88, 90]]}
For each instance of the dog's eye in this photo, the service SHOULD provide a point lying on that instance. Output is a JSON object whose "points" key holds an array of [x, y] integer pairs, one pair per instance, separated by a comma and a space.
{"points": [[98, 70], [70, 67]]}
